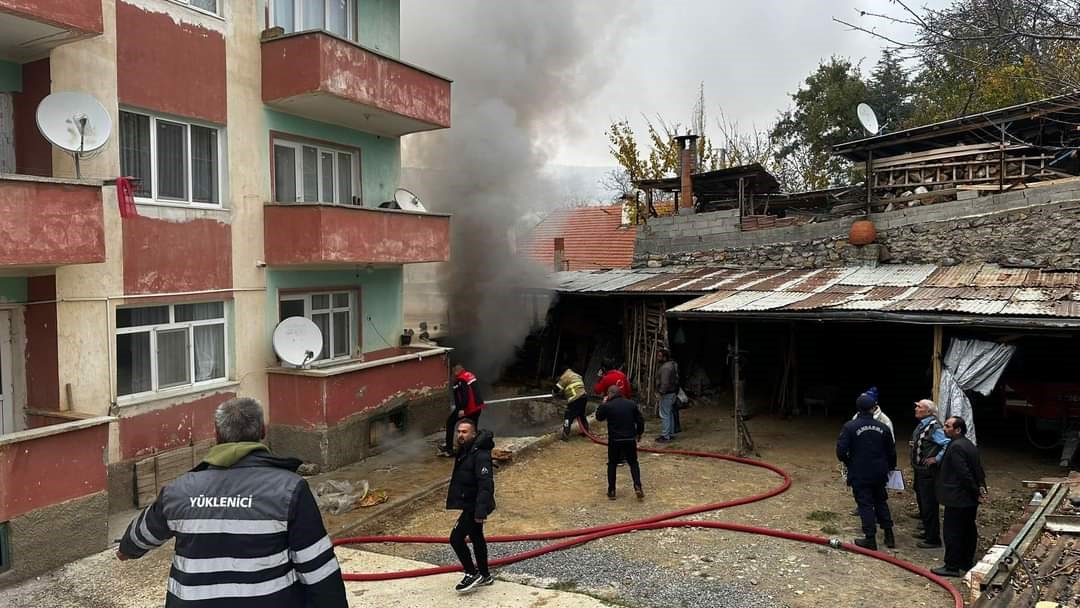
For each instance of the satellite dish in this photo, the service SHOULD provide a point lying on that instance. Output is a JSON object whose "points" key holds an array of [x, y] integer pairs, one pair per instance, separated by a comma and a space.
{"points": [[408, 201], [75, 122], [297, 341], [868, 118]]}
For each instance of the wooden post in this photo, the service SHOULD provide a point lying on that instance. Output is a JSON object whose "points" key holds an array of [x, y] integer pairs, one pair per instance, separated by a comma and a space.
{"points": [[869, 180], [737, 390], [936, 390]]}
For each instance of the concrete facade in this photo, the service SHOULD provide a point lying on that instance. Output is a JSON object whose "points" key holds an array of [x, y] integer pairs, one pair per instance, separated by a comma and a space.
{"points": [[1032, 227], [76, 269]]}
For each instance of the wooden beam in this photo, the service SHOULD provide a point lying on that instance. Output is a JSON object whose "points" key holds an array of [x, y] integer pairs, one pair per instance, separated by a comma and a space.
{"points": [[936, 364]]}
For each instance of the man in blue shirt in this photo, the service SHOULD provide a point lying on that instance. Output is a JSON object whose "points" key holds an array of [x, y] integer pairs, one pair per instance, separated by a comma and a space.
{"points": [[928, 444]]}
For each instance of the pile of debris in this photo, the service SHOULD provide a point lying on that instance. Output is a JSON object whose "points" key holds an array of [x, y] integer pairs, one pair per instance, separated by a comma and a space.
{"points": [[1039, 564]]}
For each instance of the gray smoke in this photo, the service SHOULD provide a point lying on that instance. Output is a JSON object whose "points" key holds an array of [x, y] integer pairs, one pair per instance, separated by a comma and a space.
{"points": [[520, 69]]}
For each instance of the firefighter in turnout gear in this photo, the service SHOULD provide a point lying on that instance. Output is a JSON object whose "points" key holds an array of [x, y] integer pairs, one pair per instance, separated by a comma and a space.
{"points": [[572, 388]]}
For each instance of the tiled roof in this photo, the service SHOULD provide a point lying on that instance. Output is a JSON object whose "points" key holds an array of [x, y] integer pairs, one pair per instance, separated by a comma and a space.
{"points": [[889, 290], [594, 238]]}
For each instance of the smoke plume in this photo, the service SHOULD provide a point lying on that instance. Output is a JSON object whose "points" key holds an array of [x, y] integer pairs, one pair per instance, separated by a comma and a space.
{"points": [[520, 69]]}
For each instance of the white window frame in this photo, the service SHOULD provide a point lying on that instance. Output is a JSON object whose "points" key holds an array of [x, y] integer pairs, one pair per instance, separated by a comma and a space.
{"points": [[187, 123], [298, 18], [173, 325], [219, 13], [298, 167], [354, 339]]}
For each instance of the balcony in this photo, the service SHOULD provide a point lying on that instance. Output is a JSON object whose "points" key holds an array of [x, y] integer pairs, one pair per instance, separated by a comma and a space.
{"points": [[49, 222], [319, 76], [302, 234], [31, 28]]}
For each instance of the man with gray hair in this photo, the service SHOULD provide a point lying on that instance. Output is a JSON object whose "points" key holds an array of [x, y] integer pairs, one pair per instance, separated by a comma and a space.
{"points": [[248, 531], [928, 444]]}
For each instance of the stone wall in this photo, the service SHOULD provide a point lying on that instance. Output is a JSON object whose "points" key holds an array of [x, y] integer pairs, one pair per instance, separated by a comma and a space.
{"points": [[1036, 227]]}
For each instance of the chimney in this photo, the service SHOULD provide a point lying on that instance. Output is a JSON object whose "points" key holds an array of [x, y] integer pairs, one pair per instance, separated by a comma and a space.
{"points": [[687, 167], [560, 256]]}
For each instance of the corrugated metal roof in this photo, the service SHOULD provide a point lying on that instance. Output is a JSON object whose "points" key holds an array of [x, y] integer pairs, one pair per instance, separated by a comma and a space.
{"points": [[974, 289], [979, 289]]}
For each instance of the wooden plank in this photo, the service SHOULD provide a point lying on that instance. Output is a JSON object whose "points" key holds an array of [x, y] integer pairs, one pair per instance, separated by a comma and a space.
{"points": [[173, 464], [146, 487]]}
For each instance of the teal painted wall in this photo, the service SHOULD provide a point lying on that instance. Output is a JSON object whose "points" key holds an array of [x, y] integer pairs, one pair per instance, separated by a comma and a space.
{"points": [[10, 77], [381, 297], [380, 157], [12, 289], [380, 26]]}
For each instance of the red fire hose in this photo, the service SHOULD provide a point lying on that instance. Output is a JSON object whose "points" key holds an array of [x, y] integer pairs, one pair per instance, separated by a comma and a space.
{"points": [[581, 536]]}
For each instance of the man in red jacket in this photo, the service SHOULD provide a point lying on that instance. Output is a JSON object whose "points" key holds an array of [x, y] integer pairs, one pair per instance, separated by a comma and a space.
{"points": [[467, 404], [611, 376]]}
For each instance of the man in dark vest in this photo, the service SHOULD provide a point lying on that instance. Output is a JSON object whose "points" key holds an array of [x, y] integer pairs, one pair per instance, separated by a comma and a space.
{"points": [[961, 486], [248, 531], [928, 444], [866, 447]]}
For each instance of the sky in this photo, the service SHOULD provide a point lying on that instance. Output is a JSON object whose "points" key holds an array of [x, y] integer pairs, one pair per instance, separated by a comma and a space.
{"points": [[749, 55]]}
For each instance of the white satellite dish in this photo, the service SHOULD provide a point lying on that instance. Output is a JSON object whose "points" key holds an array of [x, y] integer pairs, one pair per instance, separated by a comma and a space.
{"points": [[868, 118], [297, 341], [408, 201], [75, 122]]}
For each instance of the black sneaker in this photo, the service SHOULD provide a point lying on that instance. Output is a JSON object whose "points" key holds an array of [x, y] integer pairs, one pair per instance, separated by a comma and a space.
{"points": [[467, 582], [485, 581], [611, 495]]}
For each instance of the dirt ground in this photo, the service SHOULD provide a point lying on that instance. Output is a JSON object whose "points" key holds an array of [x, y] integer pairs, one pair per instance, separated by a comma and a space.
{"points": [[563, 486]]}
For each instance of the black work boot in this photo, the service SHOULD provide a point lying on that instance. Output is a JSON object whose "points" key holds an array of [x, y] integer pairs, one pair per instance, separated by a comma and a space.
{"points": [[870, 542], [890, 540]]}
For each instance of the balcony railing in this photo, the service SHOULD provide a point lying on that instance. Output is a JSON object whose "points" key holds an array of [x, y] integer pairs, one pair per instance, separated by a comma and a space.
{"points": [[48, 222]]}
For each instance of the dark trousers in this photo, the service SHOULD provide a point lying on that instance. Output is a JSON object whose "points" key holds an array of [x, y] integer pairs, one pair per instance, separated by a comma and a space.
{"points": [[617, 451], [961, 535], [873, 508], [576, 409], [451, 426], [466, 527], [929, 511]]}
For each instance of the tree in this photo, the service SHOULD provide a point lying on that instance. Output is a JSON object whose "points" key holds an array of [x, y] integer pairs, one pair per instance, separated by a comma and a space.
{"points": [[890, 93], [976, 55], [823, 115]]}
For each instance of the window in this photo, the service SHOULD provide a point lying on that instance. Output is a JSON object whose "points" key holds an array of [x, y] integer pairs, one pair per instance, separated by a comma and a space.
{"points": [[334, 16], [168, 346], [332, 313], [174, 161], [209, 6], [313, 173]]}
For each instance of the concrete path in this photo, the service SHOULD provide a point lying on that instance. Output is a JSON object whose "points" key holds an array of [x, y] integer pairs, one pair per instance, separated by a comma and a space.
{"points": [[100, 581]]}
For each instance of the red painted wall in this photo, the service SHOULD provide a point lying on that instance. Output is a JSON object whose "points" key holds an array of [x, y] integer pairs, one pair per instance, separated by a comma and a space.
{"points": [[167, 257], [169, 67], [171, 427], [311, 402], [33, 154], [313, 234], [81, 15], [46, 224], [49, 470], [42, 375], [316, 62]]}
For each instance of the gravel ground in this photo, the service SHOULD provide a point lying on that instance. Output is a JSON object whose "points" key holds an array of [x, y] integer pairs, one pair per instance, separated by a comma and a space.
{"points": [[601, 572]]}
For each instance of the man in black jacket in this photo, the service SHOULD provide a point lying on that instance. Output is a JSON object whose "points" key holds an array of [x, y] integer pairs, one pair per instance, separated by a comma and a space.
{"points": [[866, 447], [472, 489], [961, 486], [625, 427], [248, 531]]}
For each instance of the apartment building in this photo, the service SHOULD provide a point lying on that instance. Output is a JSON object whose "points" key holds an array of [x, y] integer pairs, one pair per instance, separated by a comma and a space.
{"points": [[262, 136]]}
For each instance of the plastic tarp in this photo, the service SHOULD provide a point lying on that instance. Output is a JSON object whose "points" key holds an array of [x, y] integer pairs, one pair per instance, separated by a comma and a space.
{"points": [[970, 365]]}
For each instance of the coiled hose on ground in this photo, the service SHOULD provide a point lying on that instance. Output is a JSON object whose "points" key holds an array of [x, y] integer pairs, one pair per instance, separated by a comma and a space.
{"points": [[575, 537]]}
